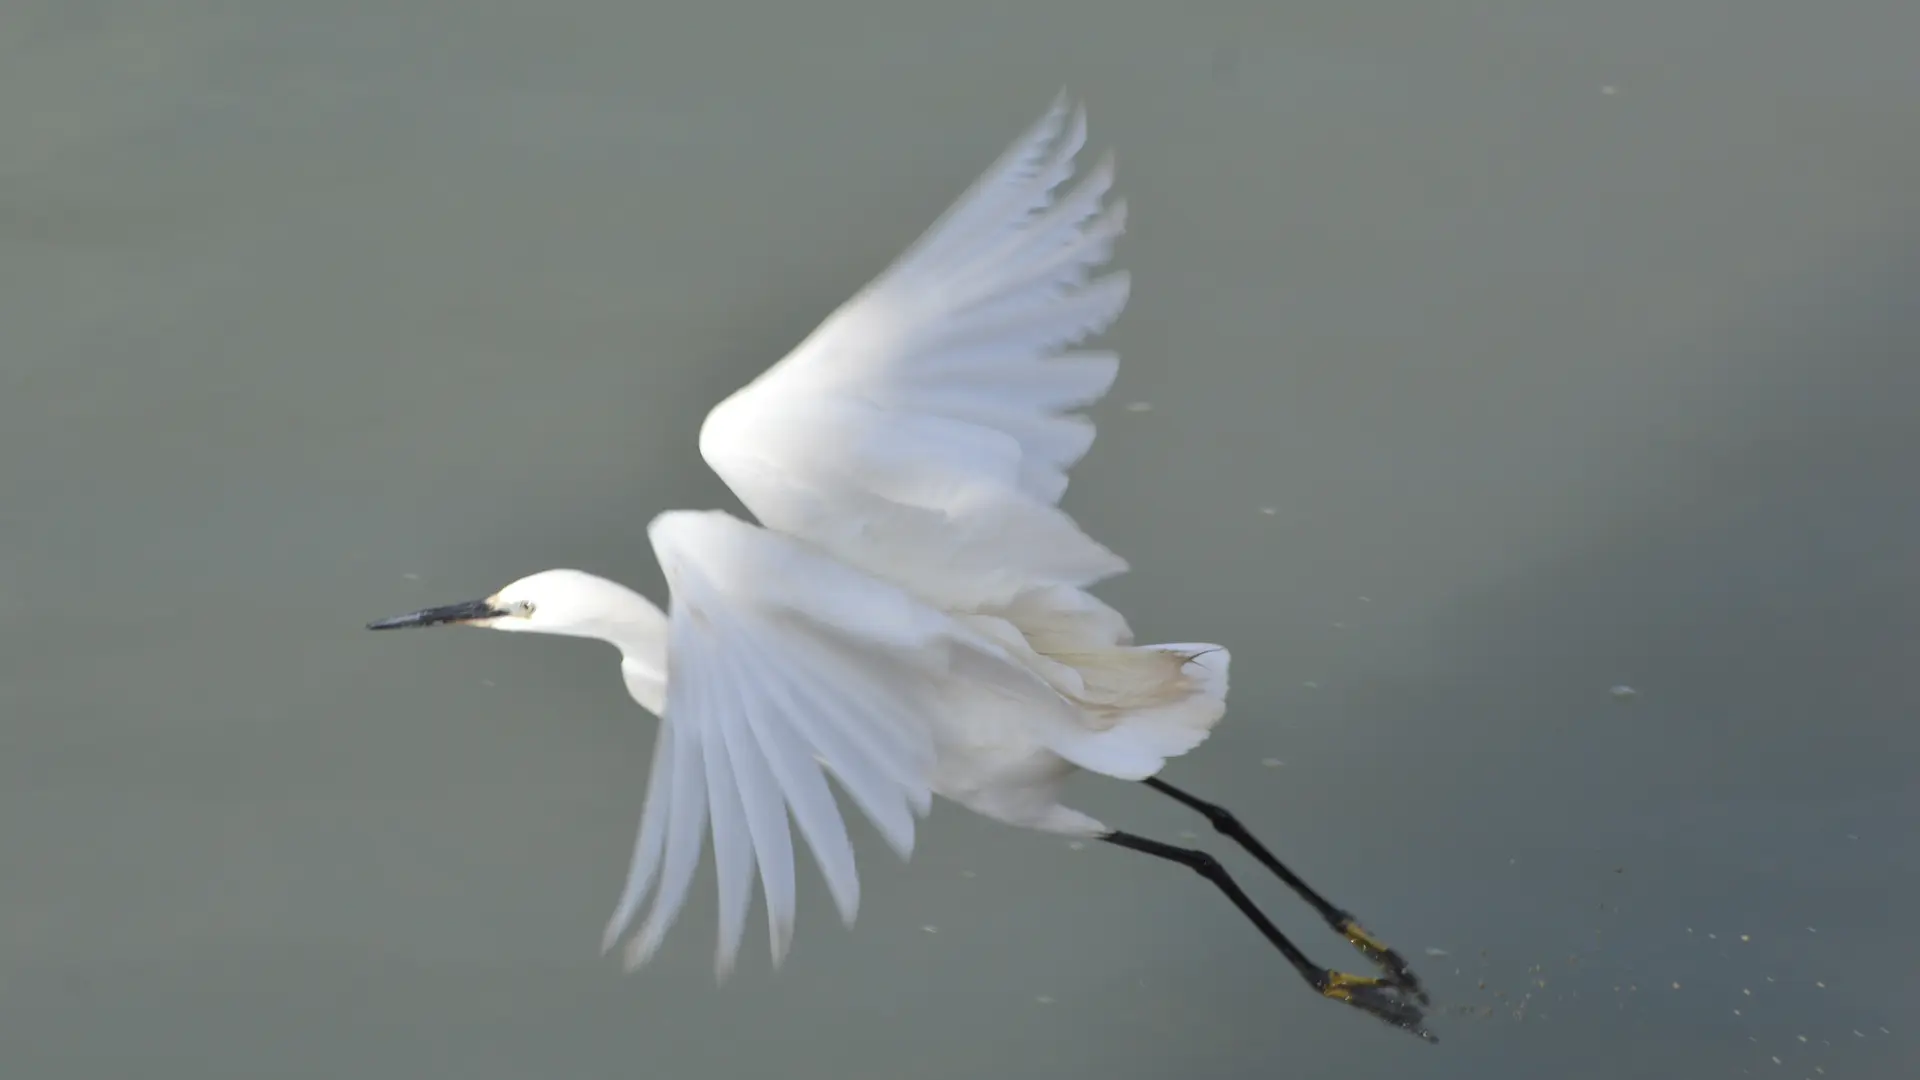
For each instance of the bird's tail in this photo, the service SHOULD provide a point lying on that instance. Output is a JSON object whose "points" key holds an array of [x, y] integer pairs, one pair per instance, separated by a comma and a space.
{"points": [[1145, 704], [1131, 707]]}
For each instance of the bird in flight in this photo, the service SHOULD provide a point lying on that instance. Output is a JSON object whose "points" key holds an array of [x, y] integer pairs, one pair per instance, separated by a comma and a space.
{"points": [[911, 615]]}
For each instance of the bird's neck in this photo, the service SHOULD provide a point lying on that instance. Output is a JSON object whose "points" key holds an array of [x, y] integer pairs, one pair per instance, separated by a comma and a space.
{"points": [[634, 625], [638, 628]]}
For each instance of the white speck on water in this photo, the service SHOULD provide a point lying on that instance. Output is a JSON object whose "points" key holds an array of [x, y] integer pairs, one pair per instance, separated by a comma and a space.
{"points": [[1609, 90], [1311, 685], [1434, 950], [1736, 1012], [1366, 599], [1776, 1059], [1076, 845], [931, 929], [487, 683], [1139, 406], [1623, 692], [1802, 1038], [411, 577], [1272, 762], [1676, 986], [1269, 510], [1820, 984], [1811, 930], [1746, 937], [1746, 991], [1339, 626], [1044, 999], [966, 873]]}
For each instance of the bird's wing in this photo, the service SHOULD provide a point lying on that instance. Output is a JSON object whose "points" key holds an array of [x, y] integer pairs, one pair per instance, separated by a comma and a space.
{"points": [[924, 430], [782, 662]]}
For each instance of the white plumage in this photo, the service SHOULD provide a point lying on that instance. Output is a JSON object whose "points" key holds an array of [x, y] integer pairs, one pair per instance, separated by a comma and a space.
{"points": [[911, 613]]}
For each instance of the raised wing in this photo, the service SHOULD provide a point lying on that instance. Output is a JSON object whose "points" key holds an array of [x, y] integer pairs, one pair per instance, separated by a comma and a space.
{"points": [[782, 663], [924, 430]]}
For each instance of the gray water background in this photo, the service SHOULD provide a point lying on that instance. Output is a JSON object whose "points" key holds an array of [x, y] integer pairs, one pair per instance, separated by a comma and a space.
{"points": [[1495, 354]]}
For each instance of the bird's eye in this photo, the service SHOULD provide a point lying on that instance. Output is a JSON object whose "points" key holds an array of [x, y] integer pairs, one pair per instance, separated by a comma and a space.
{"points": [[523, 609]]}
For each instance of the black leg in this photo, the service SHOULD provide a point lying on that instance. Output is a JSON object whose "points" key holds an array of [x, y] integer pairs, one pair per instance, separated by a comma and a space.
{"points": [[1377, 997], [1343, 923]]}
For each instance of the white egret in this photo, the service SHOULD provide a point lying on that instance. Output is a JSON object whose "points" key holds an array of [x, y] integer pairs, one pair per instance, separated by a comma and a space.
{"points": [[911, 613]]}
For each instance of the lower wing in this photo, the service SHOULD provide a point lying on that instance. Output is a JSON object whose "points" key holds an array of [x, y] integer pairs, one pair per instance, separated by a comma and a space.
{"points": [[783, 666]]}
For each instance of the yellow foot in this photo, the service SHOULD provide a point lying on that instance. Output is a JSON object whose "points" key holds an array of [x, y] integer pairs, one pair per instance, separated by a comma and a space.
{"points": [[1399, 975], [1376, 997]]}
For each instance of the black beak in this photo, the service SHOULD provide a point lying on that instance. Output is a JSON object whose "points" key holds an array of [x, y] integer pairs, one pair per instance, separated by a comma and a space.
{"points": [[440, 616]]}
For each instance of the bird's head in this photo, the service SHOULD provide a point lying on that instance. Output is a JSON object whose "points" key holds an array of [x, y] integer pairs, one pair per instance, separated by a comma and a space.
{"points": [[569, 602]]}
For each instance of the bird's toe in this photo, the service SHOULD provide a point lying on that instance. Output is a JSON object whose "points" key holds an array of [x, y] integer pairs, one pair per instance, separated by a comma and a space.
{"points": [[1391, 964], [1378, 998]]}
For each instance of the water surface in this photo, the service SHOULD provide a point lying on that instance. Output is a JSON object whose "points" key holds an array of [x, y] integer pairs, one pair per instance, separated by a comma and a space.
{"points": [[1494, 355]]}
